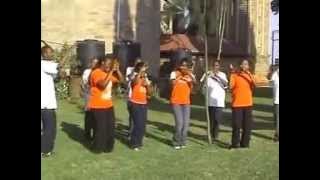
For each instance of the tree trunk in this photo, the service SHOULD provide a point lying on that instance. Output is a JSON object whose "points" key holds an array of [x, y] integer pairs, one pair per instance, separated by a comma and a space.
{"points": [[206, 70], [221, 28]]}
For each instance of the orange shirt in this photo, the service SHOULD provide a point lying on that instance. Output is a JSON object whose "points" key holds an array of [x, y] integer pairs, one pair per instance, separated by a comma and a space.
{"points": [[139, 93], [241, 89], [100, 98], [181, 90]]}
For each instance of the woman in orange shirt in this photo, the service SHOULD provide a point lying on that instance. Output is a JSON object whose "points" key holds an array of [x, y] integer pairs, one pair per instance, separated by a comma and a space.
{"points": [[100, 103], [140, 90], [182, 80], [242, 85]]}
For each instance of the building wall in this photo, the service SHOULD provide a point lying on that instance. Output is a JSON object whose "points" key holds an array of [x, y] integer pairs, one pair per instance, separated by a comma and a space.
{"points": [[73, 20], [259, 13]]}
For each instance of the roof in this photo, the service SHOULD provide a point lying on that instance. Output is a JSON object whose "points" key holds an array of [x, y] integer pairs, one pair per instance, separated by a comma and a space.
{"points": [[195, 44]]}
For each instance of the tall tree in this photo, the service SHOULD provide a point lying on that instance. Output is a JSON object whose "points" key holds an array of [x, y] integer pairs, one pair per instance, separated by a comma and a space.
{"points": [[221, 9]]}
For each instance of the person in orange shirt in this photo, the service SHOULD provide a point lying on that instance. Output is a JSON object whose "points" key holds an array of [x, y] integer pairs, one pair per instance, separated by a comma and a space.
{"points": [[182, 81], [140, 91], [88, 123], [100, 103], [242, 84]]}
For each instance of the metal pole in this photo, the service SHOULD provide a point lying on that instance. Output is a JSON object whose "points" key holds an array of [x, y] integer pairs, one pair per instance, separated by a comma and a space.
{"points": [[206, 70]]}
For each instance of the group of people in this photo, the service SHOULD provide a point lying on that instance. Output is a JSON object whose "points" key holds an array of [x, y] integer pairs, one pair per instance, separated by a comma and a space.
{"points": [[104, 74]]}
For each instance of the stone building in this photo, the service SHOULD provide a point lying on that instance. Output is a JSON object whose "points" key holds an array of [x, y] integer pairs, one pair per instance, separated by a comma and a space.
{"points": [[73, 20]]}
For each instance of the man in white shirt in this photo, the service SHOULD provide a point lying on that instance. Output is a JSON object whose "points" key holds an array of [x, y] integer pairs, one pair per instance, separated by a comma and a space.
{"points": [[275, 85], [49, 70], [217, 84]]}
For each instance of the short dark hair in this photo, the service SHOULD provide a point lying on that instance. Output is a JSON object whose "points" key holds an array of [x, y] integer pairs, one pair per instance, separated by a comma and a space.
{"points": [[44, 48], [183, 60], [242, 60], [104, 59], [138, 66], [215, 61]]}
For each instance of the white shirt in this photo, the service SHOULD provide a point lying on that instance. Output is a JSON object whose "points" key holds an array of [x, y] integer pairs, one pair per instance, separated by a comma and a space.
{"points": [[275, 84], [85, 80], [128, 73], [86, 87], [217, 94], [48, 96], [130, 78]]}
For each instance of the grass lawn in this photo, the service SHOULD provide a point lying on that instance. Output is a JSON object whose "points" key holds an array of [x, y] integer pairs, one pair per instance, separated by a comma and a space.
{"points": [[157, 159]]}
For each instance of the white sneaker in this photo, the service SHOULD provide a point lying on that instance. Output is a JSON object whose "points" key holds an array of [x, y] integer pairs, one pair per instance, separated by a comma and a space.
{"points": [[183, 146], [136, 149], [177, 147]]}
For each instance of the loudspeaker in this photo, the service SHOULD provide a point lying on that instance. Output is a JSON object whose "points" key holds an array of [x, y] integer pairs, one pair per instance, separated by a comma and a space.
{"points": [[88, 49], [126, 52]]}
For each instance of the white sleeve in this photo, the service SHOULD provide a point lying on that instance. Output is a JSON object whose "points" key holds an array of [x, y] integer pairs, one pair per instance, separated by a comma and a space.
{"points": [[193, 77], [50, 68], [203, 77], [85, 76], [128, 73], [273, 77], [173, 75], [224, 77]]}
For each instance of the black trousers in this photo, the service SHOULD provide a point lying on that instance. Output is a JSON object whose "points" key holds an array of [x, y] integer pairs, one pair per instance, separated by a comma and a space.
{"points": [[89, 124], [129, 108], [104, 129], [49, 130], [139, 116], [241, 119], [215, 114]]}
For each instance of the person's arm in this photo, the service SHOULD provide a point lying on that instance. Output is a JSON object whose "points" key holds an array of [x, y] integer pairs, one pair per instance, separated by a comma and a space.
{"points": [[174, 77], [136, 78], [85, 79], [119, 75], [104, 82], [252, 79], [223, 79], [129, 74], [148, 85], [232, 81], [50, 68], [272, 79], [203, 77]]}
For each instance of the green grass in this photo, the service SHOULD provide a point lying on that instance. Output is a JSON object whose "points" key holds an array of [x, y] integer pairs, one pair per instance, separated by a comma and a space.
{"points": [[158, 160]]}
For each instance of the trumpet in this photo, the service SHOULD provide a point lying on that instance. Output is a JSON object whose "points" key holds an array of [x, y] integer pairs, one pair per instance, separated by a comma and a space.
{"points": [[115, 64]]}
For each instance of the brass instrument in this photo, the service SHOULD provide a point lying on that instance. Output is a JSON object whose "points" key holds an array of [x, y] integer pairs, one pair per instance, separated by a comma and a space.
{"points": [[115, 64]]}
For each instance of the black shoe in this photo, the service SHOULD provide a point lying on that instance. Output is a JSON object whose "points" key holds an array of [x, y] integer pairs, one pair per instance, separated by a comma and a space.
{"points": [[88, 137], [45, 155], [233, 147]]}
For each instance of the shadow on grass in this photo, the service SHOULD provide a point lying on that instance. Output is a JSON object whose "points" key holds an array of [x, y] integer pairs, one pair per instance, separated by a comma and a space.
{"points": [[169, 128], [261, 136], [77, 134], [122, 134]]}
